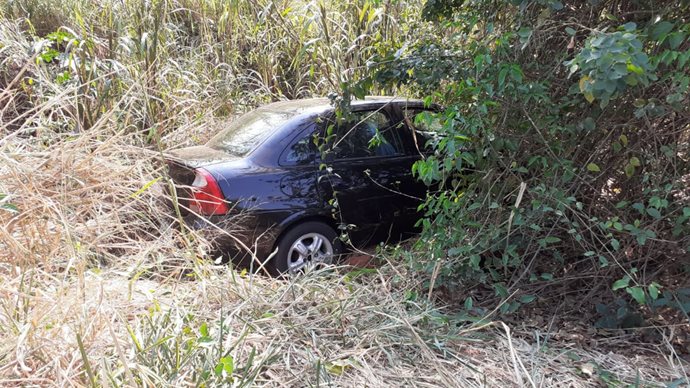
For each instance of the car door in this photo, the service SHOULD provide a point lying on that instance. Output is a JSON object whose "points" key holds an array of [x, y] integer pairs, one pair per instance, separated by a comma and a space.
{"points": [[366, 173]]}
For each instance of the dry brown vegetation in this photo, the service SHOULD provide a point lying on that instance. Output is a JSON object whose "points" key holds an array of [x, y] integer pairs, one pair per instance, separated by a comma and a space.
{"points": [[100, 285]]}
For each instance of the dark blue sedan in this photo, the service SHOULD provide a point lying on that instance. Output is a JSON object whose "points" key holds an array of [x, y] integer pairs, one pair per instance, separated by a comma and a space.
{"points": [[282, 182]]}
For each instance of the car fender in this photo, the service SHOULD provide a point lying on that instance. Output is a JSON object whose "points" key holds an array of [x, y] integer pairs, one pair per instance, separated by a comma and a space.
{"points": [[304, 216]]}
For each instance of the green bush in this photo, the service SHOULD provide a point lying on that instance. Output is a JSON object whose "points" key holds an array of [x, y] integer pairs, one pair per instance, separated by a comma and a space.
{"points": [[564, 156]]}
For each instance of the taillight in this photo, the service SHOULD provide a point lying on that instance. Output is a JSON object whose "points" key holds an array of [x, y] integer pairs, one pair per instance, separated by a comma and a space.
{"points": [[207, 199]]}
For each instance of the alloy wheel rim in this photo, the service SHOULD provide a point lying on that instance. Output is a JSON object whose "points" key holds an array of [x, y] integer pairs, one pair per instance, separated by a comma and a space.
{"points": [[310, 249]]}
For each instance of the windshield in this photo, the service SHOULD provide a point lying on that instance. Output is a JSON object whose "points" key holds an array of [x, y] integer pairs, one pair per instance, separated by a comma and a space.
{"points": [[248, 131]]}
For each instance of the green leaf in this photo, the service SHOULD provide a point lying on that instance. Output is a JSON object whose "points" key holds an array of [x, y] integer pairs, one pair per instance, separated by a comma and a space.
{"points": [[524, 299], [623, 139], [676, 39], [501, 290], [593, 167], [631, 80], [629, 170], [468, 303], [631, 67], [338, 367], [654, 212], [637, 293], [516, 73], [630, 26], [502, 76], [455, 251], [639, 207], [660, 30], [474, 261], [49, 55], [569, 31], [621, 283], [657, 202], [615, 244], [634, 161], [654, 290], [12, 208], [550, 240], [203, 330], [226, 364]]}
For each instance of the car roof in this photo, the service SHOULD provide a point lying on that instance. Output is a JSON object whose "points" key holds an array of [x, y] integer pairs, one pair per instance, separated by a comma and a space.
{"points": [[305, 109], [319, 105]]}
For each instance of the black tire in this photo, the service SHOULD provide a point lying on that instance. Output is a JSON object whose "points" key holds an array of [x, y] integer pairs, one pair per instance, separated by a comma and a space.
{"points": [[282, 264]]}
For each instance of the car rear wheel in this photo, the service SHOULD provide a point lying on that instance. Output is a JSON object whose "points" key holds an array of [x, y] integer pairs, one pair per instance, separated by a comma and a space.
{"points": [[305, 245]]}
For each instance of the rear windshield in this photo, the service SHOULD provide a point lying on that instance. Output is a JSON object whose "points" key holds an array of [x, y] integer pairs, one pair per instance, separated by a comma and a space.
{"points": [[244, 134]]}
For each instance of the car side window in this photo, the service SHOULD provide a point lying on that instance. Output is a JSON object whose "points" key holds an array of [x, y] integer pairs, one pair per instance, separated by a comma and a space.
{"points": [[423, 120], [301, 152], [426, 127], [367, 134]]}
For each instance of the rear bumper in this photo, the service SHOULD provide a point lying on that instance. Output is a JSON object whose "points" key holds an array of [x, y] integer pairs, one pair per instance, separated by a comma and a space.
{"points": [[236, 237]]}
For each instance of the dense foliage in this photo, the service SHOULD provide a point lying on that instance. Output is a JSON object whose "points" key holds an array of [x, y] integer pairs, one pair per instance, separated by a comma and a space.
{"points": [[565, 155]]}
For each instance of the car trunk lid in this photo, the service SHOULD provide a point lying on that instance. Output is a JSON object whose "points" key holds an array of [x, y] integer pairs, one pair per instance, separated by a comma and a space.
{"points": [[182, 165], [198, 156]]}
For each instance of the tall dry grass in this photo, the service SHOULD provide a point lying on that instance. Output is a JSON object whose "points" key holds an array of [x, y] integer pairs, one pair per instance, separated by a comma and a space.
{"points": [[99, 283]]}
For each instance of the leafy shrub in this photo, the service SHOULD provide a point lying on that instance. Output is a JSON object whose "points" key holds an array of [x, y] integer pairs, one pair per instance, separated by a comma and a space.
{"points": [[610, 63], [564, 155]]}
